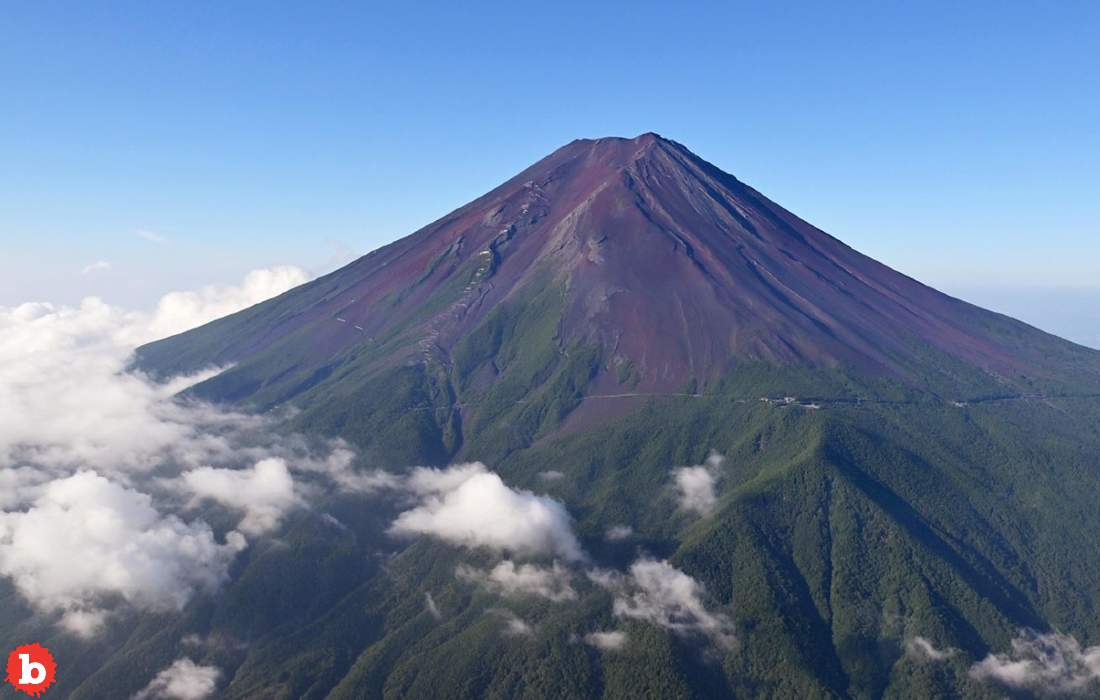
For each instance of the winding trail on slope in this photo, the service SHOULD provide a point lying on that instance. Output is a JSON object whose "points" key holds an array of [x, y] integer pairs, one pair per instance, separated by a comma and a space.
{"points": [[815, 403]]}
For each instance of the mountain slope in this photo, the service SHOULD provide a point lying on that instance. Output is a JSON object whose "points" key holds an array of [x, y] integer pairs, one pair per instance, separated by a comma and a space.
{"points": [[840, 535], [666, 272], [617, 309]]}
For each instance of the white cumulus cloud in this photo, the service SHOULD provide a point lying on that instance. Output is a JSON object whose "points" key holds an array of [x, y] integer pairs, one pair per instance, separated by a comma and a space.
{"points": [[86, 538], [1050, 664], [264, 493], [696, 486], [180, 311], [659, 593], [94, 459], [183, 680], [506, 578], [470, 506], [68, 401]]}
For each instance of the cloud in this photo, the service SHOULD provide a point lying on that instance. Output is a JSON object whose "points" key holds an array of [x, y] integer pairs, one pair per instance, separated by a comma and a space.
{"points": [[696, 485], [69, 403], [85, 539], [428, 482], [180, 311], [151, 236], [183, 680], [264, 493], [216, 642], [606, 641], [97, 266], [553, 583], [618, 533], [429, 604], [1050, 664], [551, 475], [17, 485], [513, 625], [659, 593], [470, 506], [922, 649], [95, 461]]}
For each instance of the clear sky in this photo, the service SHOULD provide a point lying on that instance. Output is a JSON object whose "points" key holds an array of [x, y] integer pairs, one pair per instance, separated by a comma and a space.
{"points": [[185, 143]]}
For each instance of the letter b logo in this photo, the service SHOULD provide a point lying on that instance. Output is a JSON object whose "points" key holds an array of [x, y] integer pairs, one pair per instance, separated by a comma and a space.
{"points": [[31, 669], [34, 672]]}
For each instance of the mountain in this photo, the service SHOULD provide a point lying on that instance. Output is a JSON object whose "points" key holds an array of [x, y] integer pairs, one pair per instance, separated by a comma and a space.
{"points": [[899, 465], [613, 266]]}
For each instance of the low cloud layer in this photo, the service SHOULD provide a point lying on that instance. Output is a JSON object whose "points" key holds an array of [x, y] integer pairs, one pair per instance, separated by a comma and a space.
{"points": [[69, 402], [473, 507], [98, 465], [553, 583], [697, 486], [86, 537], [658, 593], [183, 680], [1051, 664]]}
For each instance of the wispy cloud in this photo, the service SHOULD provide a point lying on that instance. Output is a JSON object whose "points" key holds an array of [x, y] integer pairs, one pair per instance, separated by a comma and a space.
{"points": [[659, 593], [151, 236], [922, 649], [514, 626], [618, 533], [97, 266], [431, 607], [506, 578], [1051, 664]]}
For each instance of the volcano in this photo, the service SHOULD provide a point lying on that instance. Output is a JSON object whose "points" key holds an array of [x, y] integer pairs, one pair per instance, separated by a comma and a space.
{"points": [[909, 480], [642, 270]]}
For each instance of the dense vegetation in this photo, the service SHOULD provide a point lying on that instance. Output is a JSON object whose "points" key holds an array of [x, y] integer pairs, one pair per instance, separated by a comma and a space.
{"points": [[841, 532]]}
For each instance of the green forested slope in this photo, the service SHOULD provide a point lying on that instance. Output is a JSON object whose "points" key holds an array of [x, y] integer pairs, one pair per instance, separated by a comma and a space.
{"points": [[841, 533]]}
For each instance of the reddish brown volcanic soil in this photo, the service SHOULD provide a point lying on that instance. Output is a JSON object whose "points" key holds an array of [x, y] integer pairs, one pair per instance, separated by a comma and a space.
{"points": [[666, 261]]}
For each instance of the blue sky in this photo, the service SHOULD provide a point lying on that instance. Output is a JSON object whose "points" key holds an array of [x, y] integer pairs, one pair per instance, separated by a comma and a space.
{"points": [[185, 143]]}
